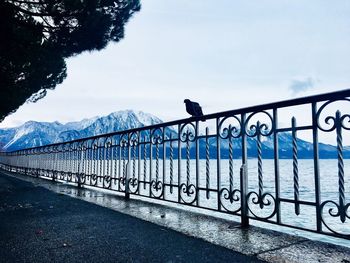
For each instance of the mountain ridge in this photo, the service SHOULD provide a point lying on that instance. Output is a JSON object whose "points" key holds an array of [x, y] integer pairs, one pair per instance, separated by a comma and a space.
{"points": [[34, 133]]}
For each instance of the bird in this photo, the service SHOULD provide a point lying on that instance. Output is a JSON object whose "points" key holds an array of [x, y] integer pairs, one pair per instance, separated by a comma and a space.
{"points": [[193, 108]]}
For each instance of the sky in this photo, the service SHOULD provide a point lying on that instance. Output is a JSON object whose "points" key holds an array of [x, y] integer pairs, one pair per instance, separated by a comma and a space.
{"points": [[225, 54]]}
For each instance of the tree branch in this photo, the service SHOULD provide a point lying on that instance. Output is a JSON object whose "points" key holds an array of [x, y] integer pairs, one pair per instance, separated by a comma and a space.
{"points": [[30, 13], [23, 2]]}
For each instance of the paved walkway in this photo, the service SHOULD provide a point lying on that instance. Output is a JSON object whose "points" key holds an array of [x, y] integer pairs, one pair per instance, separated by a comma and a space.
{"points": [[38, 225]]}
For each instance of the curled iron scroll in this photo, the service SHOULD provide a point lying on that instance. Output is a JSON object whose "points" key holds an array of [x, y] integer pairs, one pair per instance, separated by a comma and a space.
{"points": [[232, 130], [259, 128], [188, 193], [263, 201], [335, 211], [188, 132], [228, 199], [330, 123], [157, 136]]}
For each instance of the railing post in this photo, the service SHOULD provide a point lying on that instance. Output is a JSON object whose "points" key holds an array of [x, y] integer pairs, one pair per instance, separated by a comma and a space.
{"points": [[79, 180], [80, 166], [127, 176], [316, 167], [244, 201], [244, 175]]}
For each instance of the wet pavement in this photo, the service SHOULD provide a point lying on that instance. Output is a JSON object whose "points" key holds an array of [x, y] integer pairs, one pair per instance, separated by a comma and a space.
{"points": [[39, 225], [256, 243]]}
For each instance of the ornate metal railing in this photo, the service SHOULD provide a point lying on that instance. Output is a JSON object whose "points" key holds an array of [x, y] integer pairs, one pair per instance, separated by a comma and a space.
{"points": [[239, 167]]}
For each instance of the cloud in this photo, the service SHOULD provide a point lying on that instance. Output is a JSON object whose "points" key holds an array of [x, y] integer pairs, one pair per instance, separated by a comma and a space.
{"points": [[301, 85]]}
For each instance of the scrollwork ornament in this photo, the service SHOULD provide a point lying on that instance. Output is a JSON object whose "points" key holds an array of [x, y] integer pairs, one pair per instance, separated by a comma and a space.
{"points": [[93, 179], [157, 188], [336, 122], [82, 178], [69, 176], [337, 211], [230, 131], [228, 197], [107, 182], [133, 185], [188, 132], [330, 123], [259, 128], [134, 139], [156, 136], [188, 193], [262, 201], [124, 141], [62, 175], [122, 183]]}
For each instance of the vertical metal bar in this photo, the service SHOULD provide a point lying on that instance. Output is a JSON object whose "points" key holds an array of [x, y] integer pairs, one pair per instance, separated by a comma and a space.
{"points": [[188, 167], [316, 167], [197, 163], [144, 163], [52, 164], [134, 161], [207, 163], [244, 175], [120, 164], [106, 156], [110, 160], [260, 169], [341, 186], [179, 165], [77, 157], [127, 176], [113, 163], [101, 158], [171, 164], [157, 162], [115, 160], [218, 161], [69, 168], [108, 172], [295, 167], [94, 161], [150, 163], [88, 160], [80, 168], [138, 161], [276, 164], [164, 161], [230, 161]]}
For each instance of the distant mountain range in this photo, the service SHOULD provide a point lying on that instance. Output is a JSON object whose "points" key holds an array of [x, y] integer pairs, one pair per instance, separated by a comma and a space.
{"points": [[32, 134]]}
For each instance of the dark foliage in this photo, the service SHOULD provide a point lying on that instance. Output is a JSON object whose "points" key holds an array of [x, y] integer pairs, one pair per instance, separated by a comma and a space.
{"points": [[37, 35]]}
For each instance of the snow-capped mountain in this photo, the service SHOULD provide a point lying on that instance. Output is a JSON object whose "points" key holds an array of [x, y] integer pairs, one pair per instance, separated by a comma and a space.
{"points": [[32, 134], [117, 121]]}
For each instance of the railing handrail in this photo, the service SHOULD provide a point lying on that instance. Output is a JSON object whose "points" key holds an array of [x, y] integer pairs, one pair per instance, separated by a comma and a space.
{"points": [[273, 105]]}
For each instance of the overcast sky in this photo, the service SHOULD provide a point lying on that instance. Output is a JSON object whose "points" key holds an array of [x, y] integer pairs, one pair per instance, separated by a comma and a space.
{"points": [[225, 54]]}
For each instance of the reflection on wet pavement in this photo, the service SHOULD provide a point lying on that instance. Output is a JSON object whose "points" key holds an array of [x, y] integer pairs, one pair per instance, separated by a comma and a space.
{"points": [[268, 245]]}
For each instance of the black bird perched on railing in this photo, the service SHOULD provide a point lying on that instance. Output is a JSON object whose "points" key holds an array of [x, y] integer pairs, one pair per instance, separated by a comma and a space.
{"points": [[193, 108]]}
